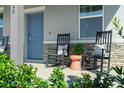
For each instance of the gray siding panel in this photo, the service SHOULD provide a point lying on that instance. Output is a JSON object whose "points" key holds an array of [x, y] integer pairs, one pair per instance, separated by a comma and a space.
{"points": [[109, 12], [60, 19]]}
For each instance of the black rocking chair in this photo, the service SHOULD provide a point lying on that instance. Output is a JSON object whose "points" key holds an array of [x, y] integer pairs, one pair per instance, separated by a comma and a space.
{"points": [[58, 54], [101, 51], [4, 46]]}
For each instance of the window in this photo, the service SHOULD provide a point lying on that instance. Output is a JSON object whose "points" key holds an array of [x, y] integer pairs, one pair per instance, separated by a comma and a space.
{"points": [[90, 20], [1, 19], [1, 25]]}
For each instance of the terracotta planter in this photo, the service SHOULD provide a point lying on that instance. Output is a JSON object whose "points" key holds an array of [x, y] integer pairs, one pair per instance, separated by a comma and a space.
{"points": [[76, 62]]}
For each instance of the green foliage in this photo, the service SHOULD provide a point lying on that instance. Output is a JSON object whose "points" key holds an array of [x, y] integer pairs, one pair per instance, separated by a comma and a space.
{"points": [[27, 78], [8, 72], [87, 82], [118, 70], [78, 49], [120, 75], [39, 83], [84, 82], [27, 74], [76, 84], [23, 76], [57, 79], [117, 26], [103, 80]]}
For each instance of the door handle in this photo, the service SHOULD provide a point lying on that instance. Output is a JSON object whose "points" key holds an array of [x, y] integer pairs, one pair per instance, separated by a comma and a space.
{"points": [[29, 34]]}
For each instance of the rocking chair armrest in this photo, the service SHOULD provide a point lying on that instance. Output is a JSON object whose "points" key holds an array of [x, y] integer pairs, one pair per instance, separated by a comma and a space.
{"points": [[88, 51], [85, 50], [51, 48], [108, 51]]}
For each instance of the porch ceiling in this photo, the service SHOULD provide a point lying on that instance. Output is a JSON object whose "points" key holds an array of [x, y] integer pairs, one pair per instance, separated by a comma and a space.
{"points": [[31, 6], [1, 9]]}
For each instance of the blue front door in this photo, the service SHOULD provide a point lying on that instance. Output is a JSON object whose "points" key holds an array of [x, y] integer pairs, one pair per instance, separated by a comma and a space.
{"points": [[35, 36]]}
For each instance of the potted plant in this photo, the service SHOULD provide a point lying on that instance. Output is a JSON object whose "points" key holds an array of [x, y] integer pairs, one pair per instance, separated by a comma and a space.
{"points": [[77, 51]]}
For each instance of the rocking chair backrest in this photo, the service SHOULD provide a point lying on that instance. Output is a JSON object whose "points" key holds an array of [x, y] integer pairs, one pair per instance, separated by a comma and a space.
{"points": [[64, 39], [104, 37]]}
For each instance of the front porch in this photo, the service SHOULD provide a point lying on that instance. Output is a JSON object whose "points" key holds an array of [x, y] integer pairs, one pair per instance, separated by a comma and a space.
{"points": [[70, 75], [55, 22]]}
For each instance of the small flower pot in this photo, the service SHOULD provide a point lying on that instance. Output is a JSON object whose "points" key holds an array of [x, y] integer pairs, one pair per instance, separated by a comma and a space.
{"points": [[76, 62]]}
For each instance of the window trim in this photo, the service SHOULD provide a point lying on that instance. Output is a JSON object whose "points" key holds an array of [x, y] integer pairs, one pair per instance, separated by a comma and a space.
{"points": [[91, 38]]}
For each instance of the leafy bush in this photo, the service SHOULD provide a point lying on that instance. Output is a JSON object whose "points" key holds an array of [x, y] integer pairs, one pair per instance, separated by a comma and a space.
{"points": [[27, 78], [120, 76], [57, 79], [76, 84], [87, 82], [8, 72], [24, 76], [78, 49], [39, 83], [84, 82], [102, 80]]}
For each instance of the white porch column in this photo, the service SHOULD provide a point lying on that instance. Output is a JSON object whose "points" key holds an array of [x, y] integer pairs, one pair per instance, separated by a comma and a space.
{"points": [[6, 20], [17, 33]]}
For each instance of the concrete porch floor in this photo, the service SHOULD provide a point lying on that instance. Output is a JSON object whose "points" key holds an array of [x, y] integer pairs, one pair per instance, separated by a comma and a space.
{"points": [[45, 72]]}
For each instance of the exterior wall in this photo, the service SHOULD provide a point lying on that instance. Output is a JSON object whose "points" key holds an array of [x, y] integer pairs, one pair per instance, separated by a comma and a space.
{"points": [[117, 54], [46, 46], [60, 19], [117, 57], [109, 12], [17, 33], [6, 21]]}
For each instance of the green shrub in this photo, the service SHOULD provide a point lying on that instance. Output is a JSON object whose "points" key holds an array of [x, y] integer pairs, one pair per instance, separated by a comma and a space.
{"points": [[8, 72], [39, 83], [76, 84], [78, 49], [103, 80], [120, 75], [27, 77], [87, 82], [57, 79], [84, 82], [23, 76]]}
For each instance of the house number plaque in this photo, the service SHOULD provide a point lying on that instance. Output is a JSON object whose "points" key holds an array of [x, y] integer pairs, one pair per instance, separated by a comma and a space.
{"points": [[13, 9]]}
